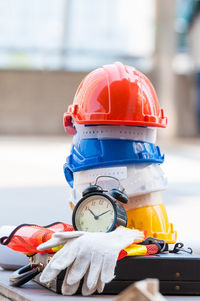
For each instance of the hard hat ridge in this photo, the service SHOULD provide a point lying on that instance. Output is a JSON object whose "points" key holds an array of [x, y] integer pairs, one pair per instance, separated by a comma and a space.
{"points": [[115, 94]]}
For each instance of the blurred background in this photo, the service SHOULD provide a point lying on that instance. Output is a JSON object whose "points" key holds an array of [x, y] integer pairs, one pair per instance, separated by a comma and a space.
{"points": [[47, 47]]}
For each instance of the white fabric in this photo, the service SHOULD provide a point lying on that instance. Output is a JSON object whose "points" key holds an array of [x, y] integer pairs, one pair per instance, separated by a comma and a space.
{"points": [[149, 199], [10, 259], [6, 230], [90, 175], [126, 132], [138, 179], [89, 255]]}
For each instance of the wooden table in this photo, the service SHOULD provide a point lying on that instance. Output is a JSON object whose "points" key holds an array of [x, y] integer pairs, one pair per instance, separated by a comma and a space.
{"points": [[33, 292]]}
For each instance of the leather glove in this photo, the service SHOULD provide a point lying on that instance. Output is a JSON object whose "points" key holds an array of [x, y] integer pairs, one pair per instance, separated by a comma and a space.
{"points": [[92, 255]]}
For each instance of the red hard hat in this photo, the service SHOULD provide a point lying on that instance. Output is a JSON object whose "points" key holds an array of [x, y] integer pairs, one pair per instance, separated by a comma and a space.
{"points": [[115, 94]]}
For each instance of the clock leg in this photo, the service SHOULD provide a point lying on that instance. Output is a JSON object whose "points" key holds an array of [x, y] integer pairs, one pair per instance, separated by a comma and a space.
{"points": [[72, 206]]}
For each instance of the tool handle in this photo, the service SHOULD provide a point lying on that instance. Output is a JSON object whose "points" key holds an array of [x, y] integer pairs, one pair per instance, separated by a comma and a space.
{"points": [[25, 274]]}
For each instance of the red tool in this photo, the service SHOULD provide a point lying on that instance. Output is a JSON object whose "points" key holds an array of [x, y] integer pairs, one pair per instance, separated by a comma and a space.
{"points": [[27, 237], [139, 250]]}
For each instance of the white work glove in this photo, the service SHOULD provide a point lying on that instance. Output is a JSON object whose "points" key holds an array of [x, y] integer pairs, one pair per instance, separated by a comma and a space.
{"points": [[89, 255]]}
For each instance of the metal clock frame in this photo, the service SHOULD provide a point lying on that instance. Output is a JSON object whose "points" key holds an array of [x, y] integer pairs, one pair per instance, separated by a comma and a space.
{"points": [[119, 211]]}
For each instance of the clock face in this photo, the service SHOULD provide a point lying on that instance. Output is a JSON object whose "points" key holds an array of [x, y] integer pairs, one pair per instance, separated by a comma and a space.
{"points": [[95, 214]]}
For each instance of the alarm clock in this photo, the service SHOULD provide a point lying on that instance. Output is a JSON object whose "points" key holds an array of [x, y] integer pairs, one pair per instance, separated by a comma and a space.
{"points": [[100, 210]]}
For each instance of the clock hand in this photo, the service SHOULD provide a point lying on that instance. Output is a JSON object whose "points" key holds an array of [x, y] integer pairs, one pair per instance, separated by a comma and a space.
{"points": [[95, 216], [103, 213]]}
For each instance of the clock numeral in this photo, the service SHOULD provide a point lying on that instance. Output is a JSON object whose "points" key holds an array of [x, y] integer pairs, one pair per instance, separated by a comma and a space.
{"points": [[93, 203], [101, 202], [86, 208]]}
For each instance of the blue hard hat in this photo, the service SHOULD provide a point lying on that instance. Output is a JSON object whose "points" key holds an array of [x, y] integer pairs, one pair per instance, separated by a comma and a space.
{"points": [[96, 153]]}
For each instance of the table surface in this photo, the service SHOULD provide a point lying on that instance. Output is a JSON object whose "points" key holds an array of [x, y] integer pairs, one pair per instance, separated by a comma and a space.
{"points": [[34, 292]]}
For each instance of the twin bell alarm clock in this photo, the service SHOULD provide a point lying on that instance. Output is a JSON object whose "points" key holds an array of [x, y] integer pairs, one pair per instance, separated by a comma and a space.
{"points": [[100, 210]]}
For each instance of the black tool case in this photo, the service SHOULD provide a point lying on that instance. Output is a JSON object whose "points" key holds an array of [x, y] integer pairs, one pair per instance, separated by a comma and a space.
{"points": [[179, 274]]}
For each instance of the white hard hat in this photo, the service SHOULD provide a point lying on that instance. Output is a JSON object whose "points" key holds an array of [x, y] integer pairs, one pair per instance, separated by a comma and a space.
{"points": [[136, 133], [137, 179]]}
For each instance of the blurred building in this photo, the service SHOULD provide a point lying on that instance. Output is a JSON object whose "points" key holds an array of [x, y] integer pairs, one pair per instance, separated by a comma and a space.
{"points": [[47, 47], [187, 67]]}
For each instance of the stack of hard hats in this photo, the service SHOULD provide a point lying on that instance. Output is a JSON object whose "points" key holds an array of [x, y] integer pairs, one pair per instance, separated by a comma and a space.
{"points": [[113, 118]]}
